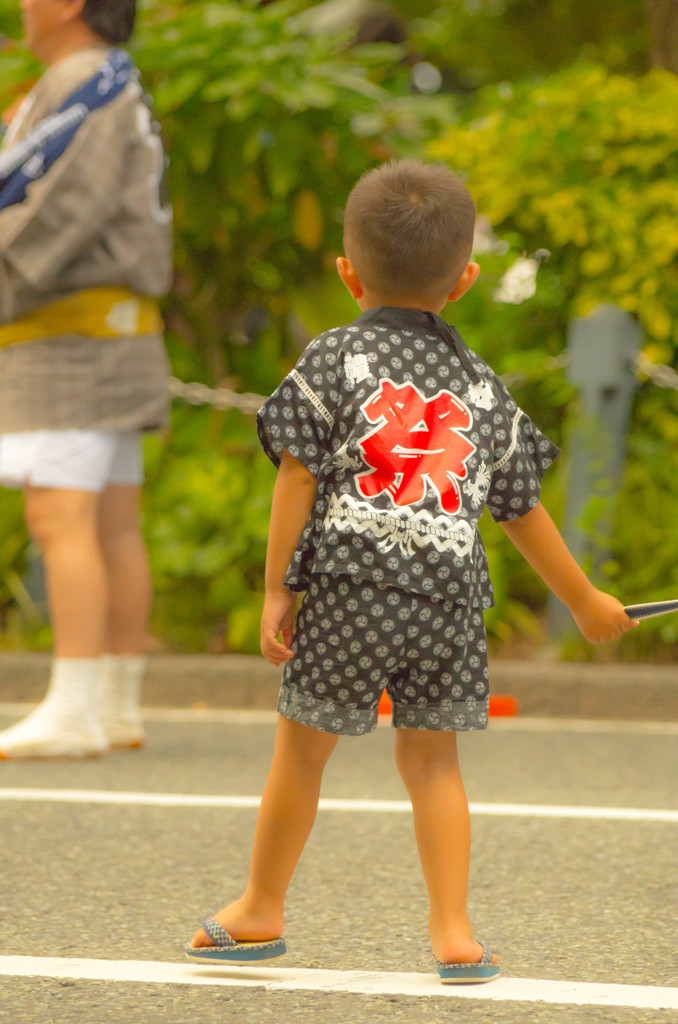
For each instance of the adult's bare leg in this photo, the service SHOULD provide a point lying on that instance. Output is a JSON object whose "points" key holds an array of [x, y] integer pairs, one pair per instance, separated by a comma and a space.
{"points": [[129, 579], [130, 595], [64, 524]]}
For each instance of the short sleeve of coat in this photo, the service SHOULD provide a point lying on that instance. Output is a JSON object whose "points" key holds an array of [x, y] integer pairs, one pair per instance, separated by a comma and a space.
{"points": [[299, 415], [522, 454]]}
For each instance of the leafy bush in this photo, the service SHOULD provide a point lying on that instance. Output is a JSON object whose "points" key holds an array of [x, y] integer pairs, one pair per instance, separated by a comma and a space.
{"points": [[268, 125], [585, 165], [206, 522], [477, 42]]}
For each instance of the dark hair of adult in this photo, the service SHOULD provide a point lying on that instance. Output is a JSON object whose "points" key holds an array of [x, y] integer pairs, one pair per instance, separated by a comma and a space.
{"points": [[408, 228], [111, 20]]}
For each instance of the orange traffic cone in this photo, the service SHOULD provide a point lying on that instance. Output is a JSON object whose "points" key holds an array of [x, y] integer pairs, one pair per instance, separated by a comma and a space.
{"points": [[503, 706], [385, 705]]}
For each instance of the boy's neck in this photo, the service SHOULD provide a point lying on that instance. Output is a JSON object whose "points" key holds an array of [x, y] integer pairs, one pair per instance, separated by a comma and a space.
{"points": [[370, 300]]}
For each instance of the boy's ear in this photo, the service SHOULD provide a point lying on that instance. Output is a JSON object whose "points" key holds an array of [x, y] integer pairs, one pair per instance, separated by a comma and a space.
{"points": [[72, 10], [349, 277], [467, 279]]}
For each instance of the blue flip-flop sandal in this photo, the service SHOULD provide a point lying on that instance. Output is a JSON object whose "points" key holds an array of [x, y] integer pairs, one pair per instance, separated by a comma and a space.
{"points": [[469, 974], [226, 950]]}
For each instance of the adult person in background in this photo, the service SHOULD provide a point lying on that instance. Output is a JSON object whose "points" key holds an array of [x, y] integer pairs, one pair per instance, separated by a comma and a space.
{"points": [[85, 248]]}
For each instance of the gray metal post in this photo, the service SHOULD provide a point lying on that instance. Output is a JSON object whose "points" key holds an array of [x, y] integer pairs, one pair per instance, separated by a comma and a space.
{"points": [[602, 349]]}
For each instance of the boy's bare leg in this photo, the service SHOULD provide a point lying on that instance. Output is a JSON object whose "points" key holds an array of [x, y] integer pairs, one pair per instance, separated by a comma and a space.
{"points": [[429, 767], [288, 809], [129, 579]]}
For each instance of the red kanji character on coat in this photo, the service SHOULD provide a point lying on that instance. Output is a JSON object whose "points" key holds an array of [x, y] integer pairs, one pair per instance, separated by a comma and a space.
{"points": [[419, 440]]}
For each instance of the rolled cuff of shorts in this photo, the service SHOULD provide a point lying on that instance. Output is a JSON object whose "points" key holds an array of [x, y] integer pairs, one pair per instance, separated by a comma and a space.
{"points": [[460, 716], [325, 714]]}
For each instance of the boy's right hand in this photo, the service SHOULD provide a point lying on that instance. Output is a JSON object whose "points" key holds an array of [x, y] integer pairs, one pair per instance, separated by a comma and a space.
{"points": [[277, 618]]}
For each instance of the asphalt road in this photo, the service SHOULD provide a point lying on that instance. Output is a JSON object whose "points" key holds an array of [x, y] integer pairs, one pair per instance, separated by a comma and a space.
{"points": [[564, 899]]}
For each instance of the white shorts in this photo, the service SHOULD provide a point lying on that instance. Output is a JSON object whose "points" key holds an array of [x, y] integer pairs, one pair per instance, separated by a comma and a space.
{"points": [[74, 460]]}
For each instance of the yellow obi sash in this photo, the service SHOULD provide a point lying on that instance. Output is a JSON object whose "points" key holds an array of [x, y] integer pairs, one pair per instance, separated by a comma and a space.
{"points": [[94, 312]]}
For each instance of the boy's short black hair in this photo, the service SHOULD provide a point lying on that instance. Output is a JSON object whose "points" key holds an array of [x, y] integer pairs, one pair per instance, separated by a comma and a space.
{"points": [[111, 20], [408, 228]]}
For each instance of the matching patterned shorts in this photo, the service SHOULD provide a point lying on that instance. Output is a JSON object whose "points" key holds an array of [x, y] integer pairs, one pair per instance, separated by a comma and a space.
{"points": [[353, 639]]}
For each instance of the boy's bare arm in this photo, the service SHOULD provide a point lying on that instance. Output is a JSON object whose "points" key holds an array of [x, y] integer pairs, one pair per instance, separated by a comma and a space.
{"points": [[293, 497], [598, 615]]}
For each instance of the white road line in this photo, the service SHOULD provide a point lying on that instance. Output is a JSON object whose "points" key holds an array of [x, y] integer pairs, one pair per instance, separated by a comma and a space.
{"points": [[570, 993], [98, 796], [255, 716], [187, 716], [585, 725]]}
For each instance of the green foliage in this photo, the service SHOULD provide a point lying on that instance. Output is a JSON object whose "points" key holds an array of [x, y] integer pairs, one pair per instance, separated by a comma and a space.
{"points": [[13, 552], [268, 126], [584, 164], [644, 557], [477, 42], [206, 523]]}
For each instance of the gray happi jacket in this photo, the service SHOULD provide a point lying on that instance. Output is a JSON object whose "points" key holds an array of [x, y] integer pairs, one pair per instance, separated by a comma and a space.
{"points": [[410, 435], [96, 219]]}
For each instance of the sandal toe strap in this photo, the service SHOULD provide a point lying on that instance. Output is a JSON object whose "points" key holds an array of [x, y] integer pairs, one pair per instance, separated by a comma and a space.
{"points": [[217, 934]]}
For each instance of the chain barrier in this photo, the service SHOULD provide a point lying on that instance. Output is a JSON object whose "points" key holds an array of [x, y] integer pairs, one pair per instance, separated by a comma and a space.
{"points": [[224, 398], [661, 375], [517, 377], [221, 398]]}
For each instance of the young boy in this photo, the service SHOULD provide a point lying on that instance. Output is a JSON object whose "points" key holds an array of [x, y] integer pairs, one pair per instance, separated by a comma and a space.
{"points": [[391, 437]]}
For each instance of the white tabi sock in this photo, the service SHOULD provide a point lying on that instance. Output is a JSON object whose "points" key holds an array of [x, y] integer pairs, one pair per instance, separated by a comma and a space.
{"points": [[66, 723], [120, 677]]}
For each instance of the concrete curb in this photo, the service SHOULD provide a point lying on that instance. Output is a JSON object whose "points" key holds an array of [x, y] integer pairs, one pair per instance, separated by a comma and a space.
{"points": [[551, 689]]}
